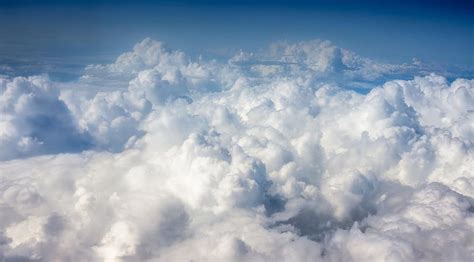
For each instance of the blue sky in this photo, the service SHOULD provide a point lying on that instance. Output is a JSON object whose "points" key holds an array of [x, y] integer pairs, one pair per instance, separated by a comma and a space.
{"points": [[47, 35]]}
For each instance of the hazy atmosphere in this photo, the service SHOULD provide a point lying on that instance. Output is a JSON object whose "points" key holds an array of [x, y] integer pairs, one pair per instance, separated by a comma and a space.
{"points": [[236, 130]]}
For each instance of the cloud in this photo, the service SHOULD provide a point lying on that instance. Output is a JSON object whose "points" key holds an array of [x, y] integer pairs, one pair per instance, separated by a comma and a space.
{"points": [[34, 121], [201, 160], [323, 62], [433, 224]]}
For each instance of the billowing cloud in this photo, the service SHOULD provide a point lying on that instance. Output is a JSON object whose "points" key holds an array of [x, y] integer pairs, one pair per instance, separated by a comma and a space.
{"points": [[33, 120], [262, 158]]}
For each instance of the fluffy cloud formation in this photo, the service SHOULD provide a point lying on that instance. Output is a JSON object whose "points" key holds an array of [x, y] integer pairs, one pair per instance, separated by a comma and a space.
{"points": [[33, 120], [271, 160], [319, 61]]}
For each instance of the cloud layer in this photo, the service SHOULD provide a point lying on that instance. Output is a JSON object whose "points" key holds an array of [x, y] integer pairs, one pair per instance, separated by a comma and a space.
{"points": [[268, 157]]}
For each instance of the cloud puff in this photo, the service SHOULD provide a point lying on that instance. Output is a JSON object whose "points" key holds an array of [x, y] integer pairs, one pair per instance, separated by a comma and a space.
{"points": [[433, 223], [204, 161], [34, 121], [319, 60]]}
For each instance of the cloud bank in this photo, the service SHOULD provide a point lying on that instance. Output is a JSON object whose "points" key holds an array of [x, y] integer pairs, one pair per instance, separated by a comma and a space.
{"points": [[267, 157]]}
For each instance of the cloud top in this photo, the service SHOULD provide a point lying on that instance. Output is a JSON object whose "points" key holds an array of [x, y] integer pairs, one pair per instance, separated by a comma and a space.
{"points": [[267, 157]]}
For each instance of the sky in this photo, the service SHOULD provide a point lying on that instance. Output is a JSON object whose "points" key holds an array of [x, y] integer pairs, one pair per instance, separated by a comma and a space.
{"points": [[236, 131], [79, 32]]}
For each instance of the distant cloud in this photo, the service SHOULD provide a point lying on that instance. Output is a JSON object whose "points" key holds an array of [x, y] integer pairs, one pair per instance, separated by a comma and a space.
{"points": [[322, 61]]}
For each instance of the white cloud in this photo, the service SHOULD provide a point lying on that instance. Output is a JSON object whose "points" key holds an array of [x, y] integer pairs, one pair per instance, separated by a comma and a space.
{"points": [[321, 61], [433, 224], [204, 161], [34, 121]]}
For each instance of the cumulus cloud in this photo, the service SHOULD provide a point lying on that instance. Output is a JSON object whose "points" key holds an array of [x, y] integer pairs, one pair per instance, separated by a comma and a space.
{"points": [[261, 158], [323, 62], [34, 121]]}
